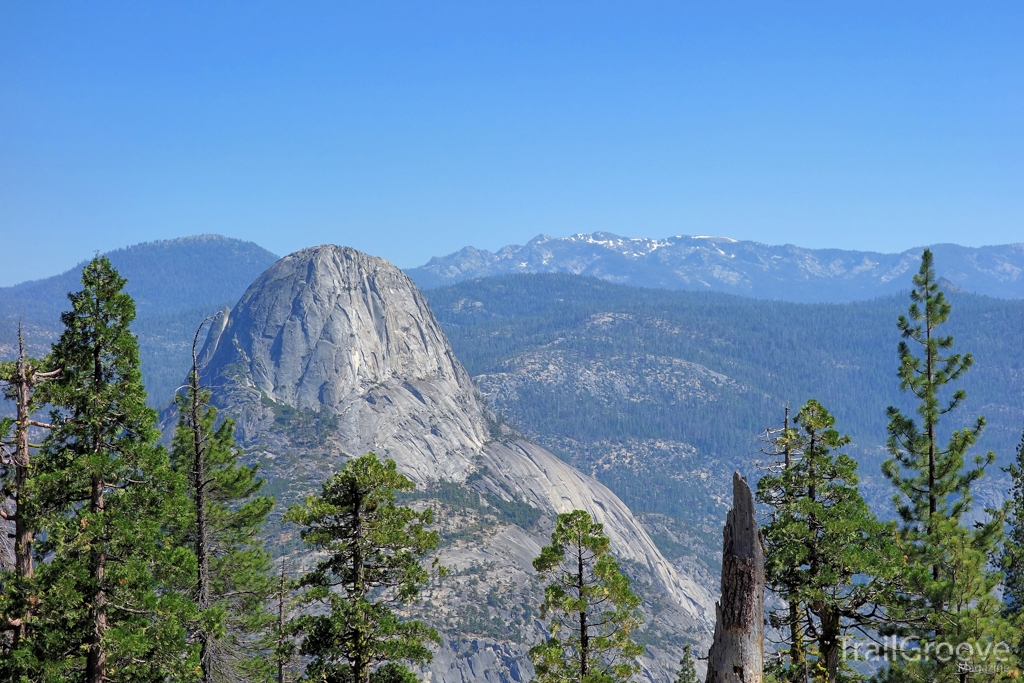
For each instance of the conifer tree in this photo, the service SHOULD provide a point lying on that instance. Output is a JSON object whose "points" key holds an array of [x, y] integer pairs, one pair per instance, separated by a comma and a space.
{"points": [[106, 492], [591, 609], [21, 379], [1013, 551], [833, 559], [949, 596], [779, 490], [279, 640], [687, 668], [374, 552], [225, 516]]}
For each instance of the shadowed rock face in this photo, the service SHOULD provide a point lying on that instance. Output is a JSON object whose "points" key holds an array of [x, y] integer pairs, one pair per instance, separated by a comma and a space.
{"points": [[349, 339]]}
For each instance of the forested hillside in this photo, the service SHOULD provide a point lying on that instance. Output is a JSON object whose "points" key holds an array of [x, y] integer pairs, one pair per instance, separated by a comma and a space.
{"points": [[662, 393], [175, 284]]}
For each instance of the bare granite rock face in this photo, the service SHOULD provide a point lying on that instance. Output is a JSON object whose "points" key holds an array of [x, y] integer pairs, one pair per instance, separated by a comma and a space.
{"points": [[331, 330], [332, 353]]}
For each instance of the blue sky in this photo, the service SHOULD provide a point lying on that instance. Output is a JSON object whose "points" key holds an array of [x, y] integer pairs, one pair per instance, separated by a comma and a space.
{"points": [[413, 129]]}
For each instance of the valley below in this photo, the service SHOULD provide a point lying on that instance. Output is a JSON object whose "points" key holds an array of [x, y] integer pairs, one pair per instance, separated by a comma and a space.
{"points": [[512, 398]]}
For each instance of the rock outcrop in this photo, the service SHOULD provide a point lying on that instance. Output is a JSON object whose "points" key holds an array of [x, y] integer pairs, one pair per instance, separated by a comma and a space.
{"points": [[332, 353], [737, 653]]}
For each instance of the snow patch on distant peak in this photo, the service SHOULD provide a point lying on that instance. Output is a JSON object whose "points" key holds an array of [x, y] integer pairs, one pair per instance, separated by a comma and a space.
{"points": [[712, 237]]}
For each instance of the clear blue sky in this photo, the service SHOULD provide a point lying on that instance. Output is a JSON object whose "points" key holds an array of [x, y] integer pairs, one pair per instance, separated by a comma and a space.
{"points": [[413, 129]]}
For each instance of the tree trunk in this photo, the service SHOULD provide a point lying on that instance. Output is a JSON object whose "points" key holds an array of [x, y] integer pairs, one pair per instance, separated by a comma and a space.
{"points": [[280, 627], [828, 642], [584, 634], [797, 654], [202, 532], [202, 542], [23, 536], [361, 664], [737, 653], [96, 661]]}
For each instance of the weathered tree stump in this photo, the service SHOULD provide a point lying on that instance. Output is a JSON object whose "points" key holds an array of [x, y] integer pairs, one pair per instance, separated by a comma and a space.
{"points": [[737, 653]]}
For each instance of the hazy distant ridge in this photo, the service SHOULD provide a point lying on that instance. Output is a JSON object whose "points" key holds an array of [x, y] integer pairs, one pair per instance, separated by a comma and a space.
{"points": [[163, 276], [175, 283], [722, 264]]}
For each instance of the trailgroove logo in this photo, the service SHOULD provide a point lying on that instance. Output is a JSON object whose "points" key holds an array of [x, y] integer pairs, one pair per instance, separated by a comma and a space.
{"points": [[970, 656]]}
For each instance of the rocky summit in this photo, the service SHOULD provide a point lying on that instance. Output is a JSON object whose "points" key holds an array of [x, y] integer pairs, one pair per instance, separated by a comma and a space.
{"points": [[332, 353]]}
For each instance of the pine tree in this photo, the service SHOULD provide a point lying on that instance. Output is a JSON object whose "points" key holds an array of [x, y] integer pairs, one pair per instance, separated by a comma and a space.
{"points": [[106, 492], [225, 516], [826, 552], [780, 492], [374, 559], [21, 379], [1013, 551], [590, 606], [687, 668], [949, 595], [279, 640]]}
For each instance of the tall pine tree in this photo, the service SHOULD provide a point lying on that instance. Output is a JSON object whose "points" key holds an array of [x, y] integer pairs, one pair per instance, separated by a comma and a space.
{"points": [[21, 379], [949, 597], [225, 515], [687, 668], [374, 552], [827, 555], [778, 490], [590, 607], [106, 491]]}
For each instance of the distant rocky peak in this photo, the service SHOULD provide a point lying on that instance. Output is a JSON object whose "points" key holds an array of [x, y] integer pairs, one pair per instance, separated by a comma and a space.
{"points": [[328, 322], [348, 336]]}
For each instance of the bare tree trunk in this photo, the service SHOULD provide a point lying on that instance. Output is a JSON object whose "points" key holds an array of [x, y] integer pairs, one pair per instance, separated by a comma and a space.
{"points": [[22, 532], [737, 653], [280, 627], [26, 377], [202, 543]]}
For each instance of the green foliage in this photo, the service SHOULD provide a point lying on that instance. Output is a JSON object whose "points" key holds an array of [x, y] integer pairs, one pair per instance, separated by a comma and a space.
{"points": [[232, 591], [949, 585], [462, 496], [106, 493], [687, 669], [827, 556], [589, 605], [306, 427], [373, 557], [1013, 551], [515, 511]]}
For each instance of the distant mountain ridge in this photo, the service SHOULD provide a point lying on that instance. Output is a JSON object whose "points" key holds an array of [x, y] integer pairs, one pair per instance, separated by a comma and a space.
{"points": [[163, 276], [722, 264], [175, 283]]}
